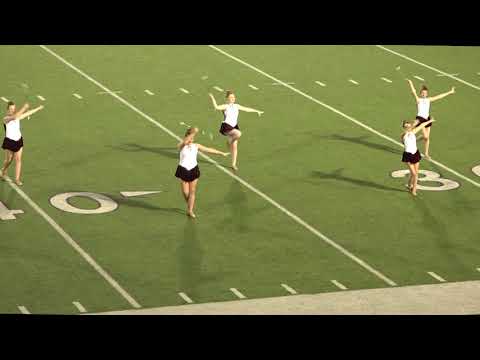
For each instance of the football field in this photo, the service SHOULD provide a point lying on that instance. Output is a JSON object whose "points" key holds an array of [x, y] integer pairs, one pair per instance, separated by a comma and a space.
{"points": [[319, 202]]}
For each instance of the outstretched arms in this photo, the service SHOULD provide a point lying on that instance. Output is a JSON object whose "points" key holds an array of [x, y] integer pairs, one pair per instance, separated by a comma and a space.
{"points": [[247, 109], [412, 88], [422, 125], [441, 96], [28, 113], [22, 113], [211, 150], [217, 107]]}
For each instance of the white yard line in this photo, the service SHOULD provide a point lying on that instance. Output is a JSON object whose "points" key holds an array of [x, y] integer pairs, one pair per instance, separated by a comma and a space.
{"points": [[80, 307], [320, 83], [231, 174], [149, 92], [353, 81], [77, 96], [436, 277], [128, 194], [23, 310], [289, 289], [238, 293], [387, 80], [186, 298], [419, 78], [339, 285], [331, 108], [429, 67], [185, 91], [77, 247], [252, 87], [441, 75]]}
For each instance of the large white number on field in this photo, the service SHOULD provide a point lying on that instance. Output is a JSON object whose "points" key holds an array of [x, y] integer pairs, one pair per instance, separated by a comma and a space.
{"points": [[7, 214], [432, 176], [476, 170], [106, 204]]}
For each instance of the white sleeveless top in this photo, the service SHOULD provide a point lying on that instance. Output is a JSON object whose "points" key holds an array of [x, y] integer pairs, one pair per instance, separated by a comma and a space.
{"points": [[231, 115], [12, 129], [188, 156], [423, 106], [410, 142]]}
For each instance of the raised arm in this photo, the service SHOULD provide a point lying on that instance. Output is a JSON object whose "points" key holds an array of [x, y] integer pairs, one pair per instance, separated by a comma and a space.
{"points": [[422, 125], [441, 96], [22, 110], [211, 150], [31, 112], [247, 109], [217, 107], [412, 88]]}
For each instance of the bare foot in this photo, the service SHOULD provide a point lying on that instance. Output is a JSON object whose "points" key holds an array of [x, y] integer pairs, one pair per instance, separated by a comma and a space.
{"points": [[413, 193], [427, 156], [192, 215], [235, 167], [18, 182]]}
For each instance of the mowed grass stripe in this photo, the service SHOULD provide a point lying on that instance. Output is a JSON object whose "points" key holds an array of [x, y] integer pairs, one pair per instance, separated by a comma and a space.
{"points": [[331, 108], [77, 247], [300, 221]]}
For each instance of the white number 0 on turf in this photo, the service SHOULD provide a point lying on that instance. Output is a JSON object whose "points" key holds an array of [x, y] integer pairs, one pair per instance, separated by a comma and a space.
{"points": [[476, 170], [430, 176]]}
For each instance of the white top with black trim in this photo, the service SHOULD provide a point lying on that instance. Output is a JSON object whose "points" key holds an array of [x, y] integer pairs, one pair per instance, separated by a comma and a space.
{"points": [[410, 142], [12, 128], [188, 156], [231, 115], [423, 106]]}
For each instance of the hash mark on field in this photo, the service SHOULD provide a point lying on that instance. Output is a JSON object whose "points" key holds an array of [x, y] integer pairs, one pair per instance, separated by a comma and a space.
{"points": [[4, 99], [185, 91], [353, 81], [436, 277], [23, 310], [289, 289], [77, 96], [185, 297], [41, 97], [478, 269], [79, 307], [339, 285], [268, 199], [387, 80], [419, 78], [218, 88], [237, 293], [320, 83], [252, 87], [149, 92]]}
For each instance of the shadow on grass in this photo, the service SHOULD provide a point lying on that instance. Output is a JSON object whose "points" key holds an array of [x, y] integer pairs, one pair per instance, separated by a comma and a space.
{"points": [[362, 140]]}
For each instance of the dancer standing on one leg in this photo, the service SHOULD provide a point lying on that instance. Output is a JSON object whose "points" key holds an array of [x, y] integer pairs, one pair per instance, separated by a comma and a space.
{"points": [[13, 142], [411, 155], [187, 170], [229, 125], [423, 110]]}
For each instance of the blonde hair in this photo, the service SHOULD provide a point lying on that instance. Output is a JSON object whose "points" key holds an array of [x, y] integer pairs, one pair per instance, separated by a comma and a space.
{"points": [[190, 131], [228, 93]]}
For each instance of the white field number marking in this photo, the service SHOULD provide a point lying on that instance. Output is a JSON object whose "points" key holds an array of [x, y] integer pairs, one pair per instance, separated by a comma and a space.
{"points": [[7, 214], [432, 176], [105, 203], [476, 170]]}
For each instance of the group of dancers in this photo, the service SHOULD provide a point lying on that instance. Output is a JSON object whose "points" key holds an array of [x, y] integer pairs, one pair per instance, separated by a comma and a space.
{"points": [[188, 171]]}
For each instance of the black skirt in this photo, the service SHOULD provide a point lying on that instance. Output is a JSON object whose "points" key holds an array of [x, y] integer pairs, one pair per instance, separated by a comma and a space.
{"points": [[187, 175], [422, 120], [411, 158], [225, 128], [12, 145]]}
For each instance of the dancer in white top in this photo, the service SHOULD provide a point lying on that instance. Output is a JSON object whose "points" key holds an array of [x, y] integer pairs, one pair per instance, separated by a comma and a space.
{"points": [[187, 169], [229, 125], [411, 155], [423, 110], [13, 141]]}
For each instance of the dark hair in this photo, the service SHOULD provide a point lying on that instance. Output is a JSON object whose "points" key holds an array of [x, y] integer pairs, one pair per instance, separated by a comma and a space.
{"points": [[229, 92], [424, 88], [190, 131], [10, 103]]}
